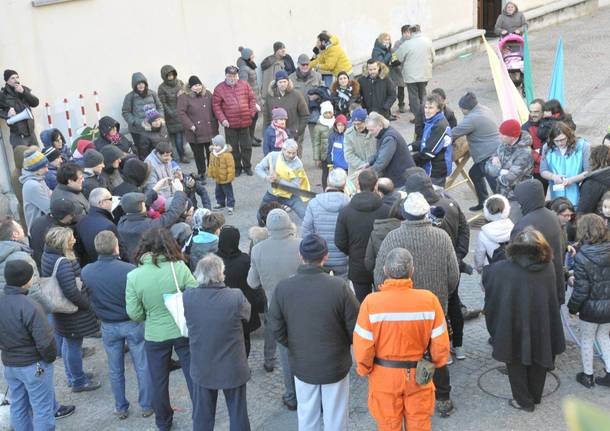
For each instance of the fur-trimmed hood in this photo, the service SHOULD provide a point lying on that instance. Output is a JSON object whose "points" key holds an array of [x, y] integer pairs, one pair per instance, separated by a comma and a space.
{"points": [[147, 126], [384, 71], [498, 216], [355, 86], [272, 90]]}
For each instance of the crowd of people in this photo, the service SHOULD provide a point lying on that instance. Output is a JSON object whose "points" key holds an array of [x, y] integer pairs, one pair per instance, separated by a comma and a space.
{"points": [[114, 239]]}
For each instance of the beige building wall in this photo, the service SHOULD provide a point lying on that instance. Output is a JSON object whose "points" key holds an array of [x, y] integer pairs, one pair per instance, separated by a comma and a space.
{"points": [[80, 46]]}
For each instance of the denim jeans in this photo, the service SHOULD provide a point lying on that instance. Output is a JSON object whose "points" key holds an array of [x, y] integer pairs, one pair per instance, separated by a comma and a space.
{"points": [[32, 397], [158, 355], [289, 390], [178, 142], [72, 353], [327, 79], [114, 336], [294, 202], [224, 195]]}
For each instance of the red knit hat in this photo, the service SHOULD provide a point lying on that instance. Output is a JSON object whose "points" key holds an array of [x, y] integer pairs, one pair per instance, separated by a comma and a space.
{"points": [[510, 128], [341, 119]]}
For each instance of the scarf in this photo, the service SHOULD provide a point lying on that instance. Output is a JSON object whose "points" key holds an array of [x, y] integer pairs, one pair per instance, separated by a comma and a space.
{"points": [[438, 146], [328, 122], [113, 139], [251, 64], [280, 135], [303, 76], [218, 153], [344, 95]]}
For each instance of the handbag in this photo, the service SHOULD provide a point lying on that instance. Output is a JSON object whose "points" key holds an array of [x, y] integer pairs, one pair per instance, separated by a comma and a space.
{"points": [[52, 297], [175, 306]]}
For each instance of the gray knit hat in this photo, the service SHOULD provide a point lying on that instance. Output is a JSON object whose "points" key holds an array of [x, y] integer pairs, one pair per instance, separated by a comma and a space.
{"points": [[416, 205], [278, 220], [219, 140], [468, 101], [132, 202], [92, 158]]}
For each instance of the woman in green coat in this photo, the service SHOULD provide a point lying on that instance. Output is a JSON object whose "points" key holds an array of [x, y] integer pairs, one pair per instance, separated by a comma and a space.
{"points": [[161, 269]]}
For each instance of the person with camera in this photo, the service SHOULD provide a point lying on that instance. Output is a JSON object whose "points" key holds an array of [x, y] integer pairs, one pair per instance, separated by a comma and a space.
{"points": [[14, 99]]}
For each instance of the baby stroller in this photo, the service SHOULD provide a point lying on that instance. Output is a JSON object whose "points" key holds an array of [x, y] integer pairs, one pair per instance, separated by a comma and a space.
{"points": [[511, 48]]}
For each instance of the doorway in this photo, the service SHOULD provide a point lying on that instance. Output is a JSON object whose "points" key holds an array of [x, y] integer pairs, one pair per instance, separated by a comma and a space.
{"points": [[488, 12]]}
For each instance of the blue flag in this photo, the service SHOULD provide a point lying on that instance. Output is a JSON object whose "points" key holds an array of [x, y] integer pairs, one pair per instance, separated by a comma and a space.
{"points": [[556, 87]]}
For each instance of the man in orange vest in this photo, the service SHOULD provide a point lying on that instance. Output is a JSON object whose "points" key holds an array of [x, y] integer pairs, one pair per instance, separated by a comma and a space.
{"points": [[395, 328]]}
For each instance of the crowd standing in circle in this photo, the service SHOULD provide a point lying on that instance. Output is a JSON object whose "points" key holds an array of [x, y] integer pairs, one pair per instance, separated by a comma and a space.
{"points": [[375, 258]]}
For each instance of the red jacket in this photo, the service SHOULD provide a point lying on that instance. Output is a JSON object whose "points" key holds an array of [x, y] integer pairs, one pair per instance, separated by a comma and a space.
{"points": [[235, 104]]}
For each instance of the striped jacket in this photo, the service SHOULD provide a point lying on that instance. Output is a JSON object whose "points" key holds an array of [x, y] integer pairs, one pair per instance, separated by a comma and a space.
{"points": [[398, 323]]}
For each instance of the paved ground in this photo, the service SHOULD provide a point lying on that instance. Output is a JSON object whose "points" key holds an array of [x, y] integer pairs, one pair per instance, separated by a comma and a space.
{"points": [[479, 391]]}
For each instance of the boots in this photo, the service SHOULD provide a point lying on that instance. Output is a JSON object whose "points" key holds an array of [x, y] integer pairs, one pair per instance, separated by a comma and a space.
{"points": [[586, 379], [603, 381]]}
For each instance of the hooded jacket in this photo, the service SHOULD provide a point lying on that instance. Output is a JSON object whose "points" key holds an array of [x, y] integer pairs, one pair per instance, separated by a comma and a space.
{"points": [[16, 185], [47, 135], [417, 57], [392, 157], [353, 230], [516, 164], [293, 102], [36, 196], [333, 59], [530, 196], [106, 123], [201, 244], [381, 229], [276, 257], [168, 95], [235, 104], [321, 218], [221, 166], [196, 110], [492, 235], [592, 190], [134, 103], [15, 250], [378, 94], [358, 148], [591, 295], [522, 312]]}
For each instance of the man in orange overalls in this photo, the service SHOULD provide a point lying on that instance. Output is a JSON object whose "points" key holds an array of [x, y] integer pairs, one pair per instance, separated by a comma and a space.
{"points": [[395, 327]]}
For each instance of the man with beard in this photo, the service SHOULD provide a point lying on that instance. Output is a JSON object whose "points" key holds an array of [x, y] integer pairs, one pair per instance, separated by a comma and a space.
{"points": [[14, 99], [377, 89], [531, 127]]}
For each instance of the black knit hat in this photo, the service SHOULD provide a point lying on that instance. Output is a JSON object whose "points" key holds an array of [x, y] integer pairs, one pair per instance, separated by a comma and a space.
{"points": [[92, 158], [18, 272], [111, 153], [277, 46], [194, 80], [313, 247], [63, 207], [8, 73], [51, 154]]}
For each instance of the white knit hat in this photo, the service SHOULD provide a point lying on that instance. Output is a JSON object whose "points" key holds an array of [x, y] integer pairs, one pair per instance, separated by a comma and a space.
{"points": [[326, 106], [416, 205], [497, 216]]}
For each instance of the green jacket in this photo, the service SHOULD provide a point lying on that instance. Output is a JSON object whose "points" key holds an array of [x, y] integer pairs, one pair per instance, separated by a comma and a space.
{"points": [[144, 296], [319, 140], [358, 148]]}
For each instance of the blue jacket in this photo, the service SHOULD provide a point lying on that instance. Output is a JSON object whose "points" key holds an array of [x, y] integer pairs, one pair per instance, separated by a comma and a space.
{"points": [[335, 150], [269, 139], [201, 244], [392, 157], [51, 177], [106, 280], [321, 218], [88, 227]]}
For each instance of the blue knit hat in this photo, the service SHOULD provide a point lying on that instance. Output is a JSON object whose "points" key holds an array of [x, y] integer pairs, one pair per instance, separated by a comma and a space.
{"points": [[313, 247], [359, 114], [281, 74], [151, 113], [34, 160], [246, 53]]}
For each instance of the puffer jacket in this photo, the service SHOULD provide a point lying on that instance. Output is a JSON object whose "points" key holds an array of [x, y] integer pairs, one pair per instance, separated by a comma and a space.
{"points": [[492, 235], [150, 138], [247, 72], [358, 148], [222, 166], [378, 94], [201, 244], [83, 323], [168, 95], [319, 141], [591, 295], [15, 250], [321, 218], [333, 59], [592, 191], [106, 123], [160, 170], [293, 102], [9, 98], [516, 164], [196, 110], [134, 103], [236, 104]]}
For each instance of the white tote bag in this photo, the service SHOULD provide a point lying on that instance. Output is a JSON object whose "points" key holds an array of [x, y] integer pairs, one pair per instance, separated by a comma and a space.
{"points": [[173, 303]]}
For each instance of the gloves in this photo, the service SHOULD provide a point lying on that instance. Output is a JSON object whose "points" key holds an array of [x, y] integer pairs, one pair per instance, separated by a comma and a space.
{"points": [[572, 311], [316, 50], [395, 63]]}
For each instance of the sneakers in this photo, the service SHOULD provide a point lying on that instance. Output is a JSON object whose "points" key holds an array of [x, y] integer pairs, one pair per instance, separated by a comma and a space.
{"points": [[122, 415], [450, 359], [445, 408], [290, 404], [230, 210], [91, 386], [603, 381], [459, 353], [64, 411], [586, 379]]}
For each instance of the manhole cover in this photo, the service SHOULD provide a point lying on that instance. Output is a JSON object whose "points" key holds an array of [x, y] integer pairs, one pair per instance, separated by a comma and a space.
{"points": [[495, 383]]}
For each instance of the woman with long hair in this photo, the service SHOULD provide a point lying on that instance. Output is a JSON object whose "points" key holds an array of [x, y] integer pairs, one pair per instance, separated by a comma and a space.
{"points": [[160, 270], [59, 255], [597, 182], [522, 315], [565, 162]]}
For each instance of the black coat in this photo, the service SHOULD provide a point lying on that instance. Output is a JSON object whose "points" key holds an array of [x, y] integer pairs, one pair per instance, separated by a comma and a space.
{"points": [[214, 317], [377, 95], [591, 295], [313, 314], [39, 230], [236, 275], [88, 227], [392, 157], [530, 196], [9, 98], [107, 123], [354, 227], [25, 335], [82, 323], [431, 153], [592, 190], [522, 312]]}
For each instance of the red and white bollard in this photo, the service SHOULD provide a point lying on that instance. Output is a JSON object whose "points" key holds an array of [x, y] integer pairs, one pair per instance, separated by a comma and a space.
{"points": [[97, 106], [82, 109], [47, 108], [68, 120]]}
